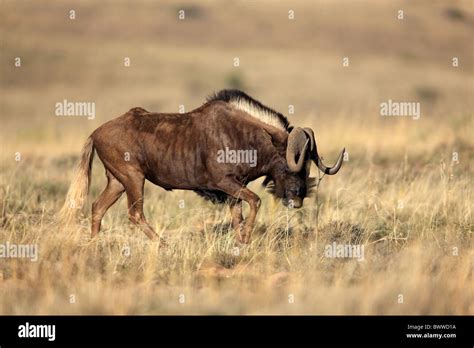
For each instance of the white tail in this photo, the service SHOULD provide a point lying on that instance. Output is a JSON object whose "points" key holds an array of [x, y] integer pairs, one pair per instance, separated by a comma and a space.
{"points": [[79, 188]]}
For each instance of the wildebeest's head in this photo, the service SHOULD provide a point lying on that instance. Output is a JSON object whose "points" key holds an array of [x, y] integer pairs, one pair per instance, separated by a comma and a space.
{"points": [[293, 183]]}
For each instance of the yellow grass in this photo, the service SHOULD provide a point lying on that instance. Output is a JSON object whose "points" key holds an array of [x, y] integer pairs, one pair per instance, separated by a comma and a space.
{"points": [[400, 194]]}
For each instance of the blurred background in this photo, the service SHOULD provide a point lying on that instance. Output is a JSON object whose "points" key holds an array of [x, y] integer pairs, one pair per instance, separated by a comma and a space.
{"points": [[404, 192], [283, 62]]}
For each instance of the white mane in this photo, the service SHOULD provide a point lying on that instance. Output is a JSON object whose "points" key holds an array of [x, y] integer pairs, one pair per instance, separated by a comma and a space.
{"points": [[264, 115]]}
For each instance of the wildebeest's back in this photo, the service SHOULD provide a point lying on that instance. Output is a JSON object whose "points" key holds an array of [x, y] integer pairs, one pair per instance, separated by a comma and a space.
{"points": [[180, 150]]}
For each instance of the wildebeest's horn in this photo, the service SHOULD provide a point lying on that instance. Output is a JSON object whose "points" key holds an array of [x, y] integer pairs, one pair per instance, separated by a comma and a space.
{"points": [[297, 145], [315, 156]]}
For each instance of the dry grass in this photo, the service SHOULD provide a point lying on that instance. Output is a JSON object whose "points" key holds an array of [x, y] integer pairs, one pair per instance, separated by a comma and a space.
{"points": [[400, 194]]}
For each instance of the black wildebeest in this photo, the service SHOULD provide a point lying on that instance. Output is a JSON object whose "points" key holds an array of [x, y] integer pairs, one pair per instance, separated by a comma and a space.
{"points": [[181, 151]]}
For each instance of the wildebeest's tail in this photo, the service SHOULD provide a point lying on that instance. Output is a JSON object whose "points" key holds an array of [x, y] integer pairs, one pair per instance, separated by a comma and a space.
{"points": [[79, 188]]}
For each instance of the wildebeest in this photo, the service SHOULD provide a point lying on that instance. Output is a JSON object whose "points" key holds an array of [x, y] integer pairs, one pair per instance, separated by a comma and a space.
{"points": [[190, 151]]}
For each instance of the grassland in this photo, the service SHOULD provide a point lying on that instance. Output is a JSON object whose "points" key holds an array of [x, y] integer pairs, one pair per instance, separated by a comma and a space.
{"points": [[405, 192]]}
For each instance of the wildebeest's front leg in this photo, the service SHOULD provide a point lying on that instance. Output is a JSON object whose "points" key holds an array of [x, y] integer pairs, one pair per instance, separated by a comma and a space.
{"points": [[236, 212], [235, 189]]}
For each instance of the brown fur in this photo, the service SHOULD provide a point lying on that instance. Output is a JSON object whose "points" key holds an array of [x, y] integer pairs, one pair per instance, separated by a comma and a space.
{"points": [[179, 151]]}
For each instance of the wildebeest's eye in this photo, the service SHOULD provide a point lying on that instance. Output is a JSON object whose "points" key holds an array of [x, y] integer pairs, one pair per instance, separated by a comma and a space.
{"points": [[292, 193], [300, 191]]}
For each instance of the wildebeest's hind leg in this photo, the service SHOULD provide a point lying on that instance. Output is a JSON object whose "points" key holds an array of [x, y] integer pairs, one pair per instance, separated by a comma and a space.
{"points": [[134, 190], [106, 199]]}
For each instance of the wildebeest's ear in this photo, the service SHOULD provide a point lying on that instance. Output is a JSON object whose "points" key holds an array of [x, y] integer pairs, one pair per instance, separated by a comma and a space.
{"points": [[266, 181], [311, 182]]}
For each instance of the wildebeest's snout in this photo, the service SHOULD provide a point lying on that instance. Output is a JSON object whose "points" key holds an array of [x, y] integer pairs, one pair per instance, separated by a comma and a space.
{"points": [[296, 202]]}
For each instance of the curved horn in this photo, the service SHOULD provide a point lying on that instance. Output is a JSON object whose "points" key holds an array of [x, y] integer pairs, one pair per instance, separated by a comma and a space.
{"points": [[317, 160], [297, 145], [310, 134]]}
